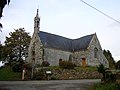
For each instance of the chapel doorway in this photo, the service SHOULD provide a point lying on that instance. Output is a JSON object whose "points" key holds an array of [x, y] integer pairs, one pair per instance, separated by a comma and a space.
{"points": [[83, 62]]}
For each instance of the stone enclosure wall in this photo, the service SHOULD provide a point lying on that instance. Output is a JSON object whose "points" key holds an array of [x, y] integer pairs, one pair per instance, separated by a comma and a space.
{"points": [[66, 74]]}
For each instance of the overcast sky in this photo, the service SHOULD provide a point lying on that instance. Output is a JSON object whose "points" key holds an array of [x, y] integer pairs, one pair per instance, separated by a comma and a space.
{"points": [[68, 18]]}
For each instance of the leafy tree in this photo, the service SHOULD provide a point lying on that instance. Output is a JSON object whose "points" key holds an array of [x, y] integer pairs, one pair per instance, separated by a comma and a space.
{"points": [[2, 5], [3, 52], [110, 59], [17, 45]]}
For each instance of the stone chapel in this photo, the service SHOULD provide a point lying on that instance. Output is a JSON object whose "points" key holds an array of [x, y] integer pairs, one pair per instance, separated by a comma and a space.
{"points": [[52, 48]]}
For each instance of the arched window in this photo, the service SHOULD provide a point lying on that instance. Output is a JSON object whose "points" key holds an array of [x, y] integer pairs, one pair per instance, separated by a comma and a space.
{"points": [[70, 58], [95, 52]]}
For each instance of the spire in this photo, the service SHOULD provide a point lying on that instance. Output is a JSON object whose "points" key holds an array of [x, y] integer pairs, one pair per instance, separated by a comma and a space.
{"points": [[37, 15], [37, 22]]}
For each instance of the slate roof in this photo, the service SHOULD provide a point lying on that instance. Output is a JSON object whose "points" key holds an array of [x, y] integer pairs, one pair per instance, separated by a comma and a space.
{"points": [[58, 42]]}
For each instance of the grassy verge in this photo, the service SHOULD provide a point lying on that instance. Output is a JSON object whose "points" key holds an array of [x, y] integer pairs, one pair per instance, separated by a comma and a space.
{"points": [[6, 74], [86, 68], [105, 86], [76, 68]]}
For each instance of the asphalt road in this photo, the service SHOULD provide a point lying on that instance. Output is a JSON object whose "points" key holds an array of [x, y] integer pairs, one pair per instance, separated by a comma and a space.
{"points": [[48, 85]]}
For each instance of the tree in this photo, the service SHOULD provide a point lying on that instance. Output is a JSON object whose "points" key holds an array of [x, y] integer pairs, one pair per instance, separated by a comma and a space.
{"points": [[110, 59], [3, 52], [17, 45], [2, 5]]}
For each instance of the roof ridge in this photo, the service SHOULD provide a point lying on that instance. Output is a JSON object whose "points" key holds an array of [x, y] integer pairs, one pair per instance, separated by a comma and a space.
{"points": [[84, 36], [56, 35], [59, 42], [66, 37]]}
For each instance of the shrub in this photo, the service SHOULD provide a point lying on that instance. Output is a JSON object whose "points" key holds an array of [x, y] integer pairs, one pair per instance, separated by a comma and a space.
{"points": [[17, 67], [67, 64], [39, 75], [108, 76], [101, 69], [45, 64], [54, 78]]}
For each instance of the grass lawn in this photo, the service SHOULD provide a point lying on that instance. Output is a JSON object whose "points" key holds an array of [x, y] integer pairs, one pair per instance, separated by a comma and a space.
{"points": [[86, 68], [6, 74], [105, 86], [76, 68]]}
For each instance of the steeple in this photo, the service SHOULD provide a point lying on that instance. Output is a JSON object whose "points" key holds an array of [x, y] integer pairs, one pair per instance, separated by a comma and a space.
{"points": [[37, 22], [37, 15]]}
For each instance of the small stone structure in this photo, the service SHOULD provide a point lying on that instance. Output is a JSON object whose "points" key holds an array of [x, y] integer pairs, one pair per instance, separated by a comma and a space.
{"points": [[84, 51]]}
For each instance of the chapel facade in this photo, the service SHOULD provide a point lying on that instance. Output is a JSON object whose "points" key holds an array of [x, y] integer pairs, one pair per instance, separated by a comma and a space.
{"points": [[84, 51]]}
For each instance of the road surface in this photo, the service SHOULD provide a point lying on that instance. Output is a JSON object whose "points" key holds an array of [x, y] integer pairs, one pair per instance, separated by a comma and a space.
{"points": [[48, 85]]}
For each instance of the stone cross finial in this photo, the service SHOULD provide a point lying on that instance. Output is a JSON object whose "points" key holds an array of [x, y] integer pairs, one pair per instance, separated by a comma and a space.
{"points": [[37, 13]]}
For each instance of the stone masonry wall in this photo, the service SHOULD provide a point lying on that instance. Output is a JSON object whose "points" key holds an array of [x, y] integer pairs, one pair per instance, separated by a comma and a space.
{"points": [[53, 56], [89, 54], [35, 45], [64, 74], [101, 58]]}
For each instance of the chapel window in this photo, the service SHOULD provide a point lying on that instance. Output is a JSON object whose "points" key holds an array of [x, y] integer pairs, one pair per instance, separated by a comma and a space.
{"points": [[95, 53], [70, 58], [60, 60]]}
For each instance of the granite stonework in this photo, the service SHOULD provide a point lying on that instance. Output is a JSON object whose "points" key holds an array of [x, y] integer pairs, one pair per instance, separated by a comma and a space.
{"points": [[89, 54], [37, 53], [35, 47], [53, 56]]}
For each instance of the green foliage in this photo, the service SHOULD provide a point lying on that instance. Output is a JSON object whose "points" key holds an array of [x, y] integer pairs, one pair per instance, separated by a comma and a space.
{"points": [[110, 77], [54, 78], [19, 66], [39, 75], [45, 64], [17, 44], [3, 52], [6, 73], [110, 59], [106, 86], [67, 65], [101, 68], [80, 68], [107, 75]]}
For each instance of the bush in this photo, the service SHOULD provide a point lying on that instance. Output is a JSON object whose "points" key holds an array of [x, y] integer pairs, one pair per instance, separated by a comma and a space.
{"points": [[67, 64], [54, 78], [45, 64], [101, 69], [39, 75], [17, 68], [108, 76]]}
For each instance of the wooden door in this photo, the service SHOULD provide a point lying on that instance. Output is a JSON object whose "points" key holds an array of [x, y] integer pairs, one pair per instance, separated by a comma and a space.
{"points": [[83, 62]]}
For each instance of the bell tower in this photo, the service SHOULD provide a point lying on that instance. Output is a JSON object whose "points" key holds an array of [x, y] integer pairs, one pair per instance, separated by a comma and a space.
{"points": [[37, 22]]}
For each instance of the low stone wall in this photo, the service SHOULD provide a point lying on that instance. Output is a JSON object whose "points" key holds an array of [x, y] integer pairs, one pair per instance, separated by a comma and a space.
{"points": [[65, 74]]}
